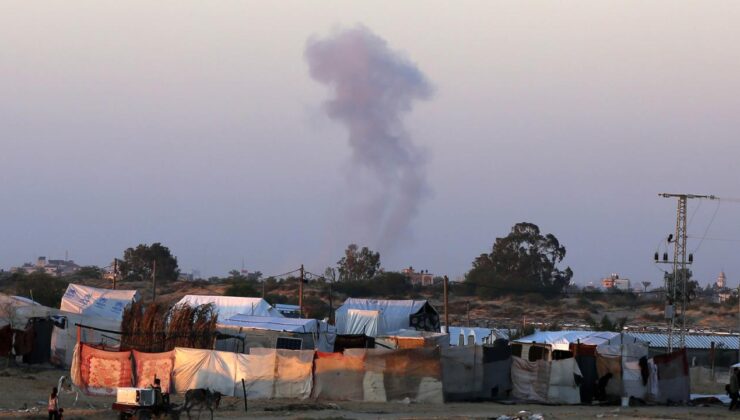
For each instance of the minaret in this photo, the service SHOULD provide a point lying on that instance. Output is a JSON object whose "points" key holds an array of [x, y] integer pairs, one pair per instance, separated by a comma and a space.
{"points": [[721, 280]]}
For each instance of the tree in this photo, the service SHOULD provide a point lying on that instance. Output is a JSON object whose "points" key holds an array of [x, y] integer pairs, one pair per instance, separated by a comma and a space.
{"points": [[41, 287], [524, 261], [138, 262], [691, 285], [358, 264]]}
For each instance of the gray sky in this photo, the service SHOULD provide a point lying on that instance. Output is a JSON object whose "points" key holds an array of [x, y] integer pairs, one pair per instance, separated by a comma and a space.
{"points": [[197, 124]]}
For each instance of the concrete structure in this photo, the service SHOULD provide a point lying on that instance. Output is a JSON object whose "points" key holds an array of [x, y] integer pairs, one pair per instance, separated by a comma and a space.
{"points": [[721, 280], [57, 268], [615, 282], [422, 278]]}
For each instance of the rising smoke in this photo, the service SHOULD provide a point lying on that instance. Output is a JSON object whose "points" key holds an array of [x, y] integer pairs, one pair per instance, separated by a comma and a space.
{"points": [[372, 88]]}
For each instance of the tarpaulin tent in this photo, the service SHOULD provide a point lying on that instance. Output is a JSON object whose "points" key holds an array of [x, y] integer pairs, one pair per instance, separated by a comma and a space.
{"points": [[547, 343], [375, 317], [409, 339], [462, 373], [229, 306], [497, 370], [197, 368], [623, 362], [17, 310], [263, 332], [339, 377], [673, 377], [546, 381], [101, 309], [91, 301]]}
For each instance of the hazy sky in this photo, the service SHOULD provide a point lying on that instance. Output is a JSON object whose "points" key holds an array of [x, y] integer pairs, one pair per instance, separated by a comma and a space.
{"points": [[197, 124]]}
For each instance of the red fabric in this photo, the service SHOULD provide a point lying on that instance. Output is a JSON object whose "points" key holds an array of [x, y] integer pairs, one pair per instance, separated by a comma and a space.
{"points": [[151, 365], [6, 340], [104, 371], [678, 357], [326, 355]]}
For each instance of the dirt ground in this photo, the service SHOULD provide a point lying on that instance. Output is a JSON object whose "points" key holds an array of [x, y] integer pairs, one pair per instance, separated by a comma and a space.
{"points": [[23, 394]]}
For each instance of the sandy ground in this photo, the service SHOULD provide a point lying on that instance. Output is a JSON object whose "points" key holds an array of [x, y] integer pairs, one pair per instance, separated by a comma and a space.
{"points": [[23, 394]]}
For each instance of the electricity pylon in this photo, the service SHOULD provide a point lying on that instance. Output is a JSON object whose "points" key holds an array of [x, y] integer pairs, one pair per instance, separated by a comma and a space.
{"points": [[679, 266]]}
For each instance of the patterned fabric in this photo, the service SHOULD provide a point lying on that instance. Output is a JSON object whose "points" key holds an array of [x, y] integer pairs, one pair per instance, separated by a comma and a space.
{"points": [[104, 371], [154, 365]]}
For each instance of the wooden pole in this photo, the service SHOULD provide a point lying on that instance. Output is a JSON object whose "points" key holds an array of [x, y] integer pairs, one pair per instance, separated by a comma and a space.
{"points": [[447, 302], [244, 389], [468, 311], [115, 272], [154, 280], [300, 294]]}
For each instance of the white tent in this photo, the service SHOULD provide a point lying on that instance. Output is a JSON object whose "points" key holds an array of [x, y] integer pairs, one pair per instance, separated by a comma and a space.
{"points": [[263, 331], [561, 340], [271, 323], [91, 307], [17, 310], [102, 303], [375, 317], [229, 306]]}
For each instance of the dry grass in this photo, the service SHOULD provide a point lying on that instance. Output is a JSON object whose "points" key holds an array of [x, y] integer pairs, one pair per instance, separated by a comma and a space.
{"points": [[155, 328]]}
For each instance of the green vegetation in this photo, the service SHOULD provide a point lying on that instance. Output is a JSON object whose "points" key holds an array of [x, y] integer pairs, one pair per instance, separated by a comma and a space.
{"points": [[138, 263]]}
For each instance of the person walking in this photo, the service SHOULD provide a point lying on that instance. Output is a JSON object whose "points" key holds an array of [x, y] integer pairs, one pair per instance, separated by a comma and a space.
{"points": [[734, 389], [53, 406]]}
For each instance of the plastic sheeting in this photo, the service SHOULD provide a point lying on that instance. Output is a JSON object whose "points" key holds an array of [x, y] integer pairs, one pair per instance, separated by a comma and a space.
{"points": [[409, 339], [339, 377], [561, 340], [562, 388], [392, 315], [267, 373], [149, 366], [195, 368], [16, 311], [102, 372], [497, 370], [63, 340], [624, 363], [273, 323], [530, 379], [229, 306], [462, 373], [673, 377], [415, 374], [94, 302]]}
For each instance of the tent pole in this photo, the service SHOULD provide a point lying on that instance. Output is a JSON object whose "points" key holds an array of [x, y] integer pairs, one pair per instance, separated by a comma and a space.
{"points": [[300, 294]]}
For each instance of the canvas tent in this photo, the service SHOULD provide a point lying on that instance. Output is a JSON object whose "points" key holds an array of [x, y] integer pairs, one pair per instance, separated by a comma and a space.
{"points": [[247, 331], [374, 317], [229, 306], [101, 309]]}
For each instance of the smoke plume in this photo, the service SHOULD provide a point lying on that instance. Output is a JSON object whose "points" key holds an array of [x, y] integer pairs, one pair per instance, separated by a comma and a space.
{"points": [[372, 88]]}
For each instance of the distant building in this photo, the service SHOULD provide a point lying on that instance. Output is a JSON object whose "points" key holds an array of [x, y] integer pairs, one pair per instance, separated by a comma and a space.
{"points": [[57, 268], [615, 282], [721, 280], [422, 278]]}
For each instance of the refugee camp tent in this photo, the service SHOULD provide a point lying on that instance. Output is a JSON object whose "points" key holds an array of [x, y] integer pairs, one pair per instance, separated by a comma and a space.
{"points": [[17, 310], [243, 332], [409, 339], [99, 310], [554, 382], [228, 306], [375, 317], [551, 345]]}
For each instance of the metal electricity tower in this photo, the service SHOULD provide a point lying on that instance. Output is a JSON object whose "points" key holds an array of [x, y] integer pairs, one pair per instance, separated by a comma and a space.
{"points": [[677, 288]]}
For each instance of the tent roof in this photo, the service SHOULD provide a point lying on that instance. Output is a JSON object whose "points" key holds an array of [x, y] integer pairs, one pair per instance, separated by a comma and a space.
{"points": [[386, 307], [228, 306], [17, 310], [272, 323], [103, 303], [561, 340]]}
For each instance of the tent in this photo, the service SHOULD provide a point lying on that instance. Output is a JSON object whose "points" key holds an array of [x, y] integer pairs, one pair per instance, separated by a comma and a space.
{"points": [[243, 332], [375, 317], [549, 344], [409, 339], [91, 301], [546, 381], [16, 311], [228, 306], [99, 309]]}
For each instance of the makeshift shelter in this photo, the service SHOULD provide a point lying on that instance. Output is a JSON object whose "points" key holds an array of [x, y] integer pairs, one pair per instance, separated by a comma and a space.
{"points": [[100, 312], [462, 373], [229, 306], [554, 345], [240, 333], [673, 377], [17, 310], [375, 317], [479, 335], [497, 370], [546, 381], [409, 339]]}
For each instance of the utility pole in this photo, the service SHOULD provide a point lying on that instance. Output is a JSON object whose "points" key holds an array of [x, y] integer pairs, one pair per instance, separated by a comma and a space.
{"points": [[300, 294], [679, 266], [115, 272], [447, 313], [154, 280]]}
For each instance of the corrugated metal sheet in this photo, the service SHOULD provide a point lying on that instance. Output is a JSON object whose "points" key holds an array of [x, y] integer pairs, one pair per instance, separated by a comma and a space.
{"points": [[693, 341]]}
